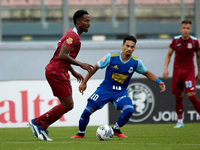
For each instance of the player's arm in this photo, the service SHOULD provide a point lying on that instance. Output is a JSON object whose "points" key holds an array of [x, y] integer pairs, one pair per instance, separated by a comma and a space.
{"points": [[166, 63], [77, 75], [104, 62], [141, 69], [65, 50], [198, 65], [83, 85], [154, 78]]}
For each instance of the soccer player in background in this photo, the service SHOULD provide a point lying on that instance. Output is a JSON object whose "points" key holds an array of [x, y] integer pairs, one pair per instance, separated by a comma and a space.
{"points": [[58, 77], [120, 68], [184, 46]]}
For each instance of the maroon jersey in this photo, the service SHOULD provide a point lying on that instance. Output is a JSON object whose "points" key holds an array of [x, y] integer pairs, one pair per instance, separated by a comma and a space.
{"points": [[59, 67], [184, 51]]}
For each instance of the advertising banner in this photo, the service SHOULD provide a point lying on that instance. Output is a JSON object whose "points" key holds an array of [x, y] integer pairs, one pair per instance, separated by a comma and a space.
{"points": [[21, 101], [151, 106]]}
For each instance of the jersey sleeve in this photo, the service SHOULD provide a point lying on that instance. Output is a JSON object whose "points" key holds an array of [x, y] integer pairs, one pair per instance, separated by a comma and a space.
{"points": [[104, 62], [172, 45], [197, 46], [140, 67], [71, 39]]}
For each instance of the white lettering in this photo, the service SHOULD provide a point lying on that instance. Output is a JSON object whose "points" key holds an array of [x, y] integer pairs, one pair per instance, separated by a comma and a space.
{"points": [[165, 116], [192, 114]]}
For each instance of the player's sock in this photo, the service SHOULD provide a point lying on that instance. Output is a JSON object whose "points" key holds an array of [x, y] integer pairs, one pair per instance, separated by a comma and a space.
{"points": [[196, 103], [179, 106], [55, 113], [116, 126], [180, 121], [84, 120], [47, 123], [125, 115]]}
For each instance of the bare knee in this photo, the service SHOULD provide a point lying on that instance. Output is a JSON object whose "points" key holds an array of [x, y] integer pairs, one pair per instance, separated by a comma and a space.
{"points": [[191, 94]]}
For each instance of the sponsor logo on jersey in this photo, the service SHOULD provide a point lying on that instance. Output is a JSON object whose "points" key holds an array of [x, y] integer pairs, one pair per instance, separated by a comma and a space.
{"points": [[119, 77], [178, 45], [189, 45], [103, 59], [69, 40], [115, 67], [130, 70], [143, 101]]}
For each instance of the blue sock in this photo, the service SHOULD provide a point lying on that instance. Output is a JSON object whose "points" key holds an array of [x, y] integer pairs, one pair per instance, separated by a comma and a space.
{"points": [[85, 117], [125, 115]]}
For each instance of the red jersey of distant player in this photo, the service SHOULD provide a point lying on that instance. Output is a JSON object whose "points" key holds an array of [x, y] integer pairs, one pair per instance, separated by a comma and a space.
{"points": [[59, 67], [184, 51]]}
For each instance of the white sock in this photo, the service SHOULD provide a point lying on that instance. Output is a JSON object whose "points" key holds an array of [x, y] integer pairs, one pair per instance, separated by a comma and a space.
{"points": [[116, 126], [82, 132], [180, 121]]}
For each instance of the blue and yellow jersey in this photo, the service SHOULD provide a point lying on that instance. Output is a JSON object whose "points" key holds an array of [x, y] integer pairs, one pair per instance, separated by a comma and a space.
{"points": [[118, 73]]}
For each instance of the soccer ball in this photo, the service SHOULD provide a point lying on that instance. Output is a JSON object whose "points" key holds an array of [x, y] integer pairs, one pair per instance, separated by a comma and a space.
{"points": [[104, 132]]}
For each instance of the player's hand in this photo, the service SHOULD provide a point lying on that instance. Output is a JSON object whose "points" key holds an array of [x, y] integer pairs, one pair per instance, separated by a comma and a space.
{"points": [[82, 87], [165, 74], [78, 76], [87, 67], [162, 86], [198, 77]]}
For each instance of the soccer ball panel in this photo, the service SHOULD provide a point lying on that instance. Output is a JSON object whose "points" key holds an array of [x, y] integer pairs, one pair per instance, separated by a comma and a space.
{"points": [[104, 132]]}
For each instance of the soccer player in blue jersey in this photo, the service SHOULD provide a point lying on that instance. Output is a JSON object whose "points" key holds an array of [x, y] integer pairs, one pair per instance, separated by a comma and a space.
{"points": [[120, 68]]}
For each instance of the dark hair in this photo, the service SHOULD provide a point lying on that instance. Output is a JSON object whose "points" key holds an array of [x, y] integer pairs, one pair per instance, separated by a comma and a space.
{"points": [[130, 37], [78, 14], [186, 22]]}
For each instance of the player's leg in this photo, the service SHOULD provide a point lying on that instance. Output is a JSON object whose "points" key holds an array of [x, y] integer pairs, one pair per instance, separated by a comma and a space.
{"points": [[190, 88], [179, 110], [96, 101], [61, 89], [125, 105], [195, 101], [85, 118], [177, 90]]}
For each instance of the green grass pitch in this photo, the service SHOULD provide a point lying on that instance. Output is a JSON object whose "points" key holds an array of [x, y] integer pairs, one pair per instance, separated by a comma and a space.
{"points": [[140, 137]]}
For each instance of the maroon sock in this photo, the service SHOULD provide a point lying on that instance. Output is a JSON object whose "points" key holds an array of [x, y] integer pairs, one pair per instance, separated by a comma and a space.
{"points": [[51, 115], [47, 123], [179, 107], [195, 102]]}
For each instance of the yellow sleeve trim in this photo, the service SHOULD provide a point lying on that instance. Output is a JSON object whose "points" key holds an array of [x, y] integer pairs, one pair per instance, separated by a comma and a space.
{"points": [[115, 54], [135, 58]]}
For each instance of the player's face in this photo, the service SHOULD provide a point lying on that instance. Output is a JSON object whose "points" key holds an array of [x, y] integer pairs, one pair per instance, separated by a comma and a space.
{"points": [[185, 30], [84, 23], [128, 47]]}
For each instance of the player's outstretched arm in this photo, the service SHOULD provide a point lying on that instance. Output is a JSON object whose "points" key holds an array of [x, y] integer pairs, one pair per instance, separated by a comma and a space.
{"points": [[166, 63], [83, 85], [154, 78], [64, 55]]}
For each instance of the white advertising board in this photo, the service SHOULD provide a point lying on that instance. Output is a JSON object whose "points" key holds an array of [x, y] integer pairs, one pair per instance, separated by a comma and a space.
{"points": [[21, 101]]}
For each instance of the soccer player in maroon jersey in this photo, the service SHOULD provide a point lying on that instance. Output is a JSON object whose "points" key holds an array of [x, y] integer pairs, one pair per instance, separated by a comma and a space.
{"points": [[184, 46], [58, 77]]}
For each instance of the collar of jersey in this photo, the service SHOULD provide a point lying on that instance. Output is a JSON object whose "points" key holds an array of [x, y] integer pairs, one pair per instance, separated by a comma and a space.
{"points": [[122, 60], [75, 30]]}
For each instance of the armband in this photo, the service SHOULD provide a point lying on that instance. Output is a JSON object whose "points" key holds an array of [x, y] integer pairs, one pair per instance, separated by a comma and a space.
{"points": [[158, 81]]}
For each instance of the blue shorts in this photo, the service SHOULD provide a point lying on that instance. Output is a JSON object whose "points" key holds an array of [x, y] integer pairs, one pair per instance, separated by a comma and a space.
{"points": [[119, 98]]}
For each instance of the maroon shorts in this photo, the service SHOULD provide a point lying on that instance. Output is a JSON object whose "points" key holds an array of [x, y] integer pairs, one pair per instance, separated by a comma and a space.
{"points": [[183, 79], [60, 87]]}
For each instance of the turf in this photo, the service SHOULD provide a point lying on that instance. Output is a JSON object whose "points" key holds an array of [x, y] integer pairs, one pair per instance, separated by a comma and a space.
{"points": [[140, 137]]}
